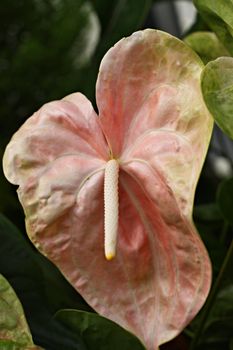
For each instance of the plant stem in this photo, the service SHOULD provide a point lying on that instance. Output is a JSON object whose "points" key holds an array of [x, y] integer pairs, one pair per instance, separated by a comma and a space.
{"points": [[212, 297]]}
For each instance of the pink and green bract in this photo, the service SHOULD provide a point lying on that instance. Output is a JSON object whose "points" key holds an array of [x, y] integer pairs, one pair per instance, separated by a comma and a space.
{"points": [[153, 122]]}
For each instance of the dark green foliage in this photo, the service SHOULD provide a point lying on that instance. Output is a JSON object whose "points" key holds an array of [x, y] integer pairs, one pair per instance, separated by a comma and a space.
{"points": [[217, 90], [98, 332], [38, 55], [212, 328], [206, 45], [218, 16], [39, 286]]}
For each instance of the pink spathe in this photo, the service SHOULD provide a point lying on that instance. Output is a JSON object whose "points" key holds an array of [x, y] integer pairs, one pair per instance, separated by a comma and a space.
{"points": [[153, 121]]}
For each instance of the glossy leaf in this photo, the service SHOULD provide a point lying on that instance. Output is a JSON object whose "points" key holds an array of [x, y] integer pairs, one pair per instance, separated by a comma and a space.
{"points": [[215, 321], [218, 16], [206, 45], [113, 14], [40, 288], [118, 19], [154, 123], [14, 331], [98, 332], [18, 258], [198, 26], [217, 89], [219, 326]]}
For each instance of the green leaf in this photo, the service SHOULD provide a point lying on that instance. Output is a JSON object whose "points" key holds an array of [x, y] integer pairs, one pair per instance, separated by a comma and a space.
{"points": [[215, 322], [18, 258], [40, 287], [98, 332], [219, 325], [14, 331], [104, 10], [198, 26], [120, 19], [213, 327], [206, 45], [53, 282], [217, 90], [218, 328], [219, 17], [225, 200]]}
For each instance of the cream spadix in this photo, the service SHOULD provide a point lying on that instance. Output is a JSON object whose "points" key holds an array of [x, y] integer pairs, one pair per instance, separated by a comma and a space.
{"points": [[111, 208]]}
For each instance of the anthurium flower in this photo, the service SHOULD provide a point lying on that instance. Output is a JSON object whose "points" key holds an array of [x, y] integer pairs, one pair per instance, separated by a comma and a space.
{"points": [[120, 186]]}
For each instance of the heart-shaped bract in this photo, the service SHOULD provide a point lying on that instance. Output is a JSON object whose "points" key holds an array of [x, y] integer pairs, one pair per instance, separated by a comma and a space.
{"points": [[154, 124]]}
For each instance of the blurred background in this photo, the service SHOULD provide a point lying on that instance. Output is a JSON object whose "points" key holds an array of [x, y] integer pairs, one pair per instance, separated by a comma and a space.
{"points": [[51, 48]]}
